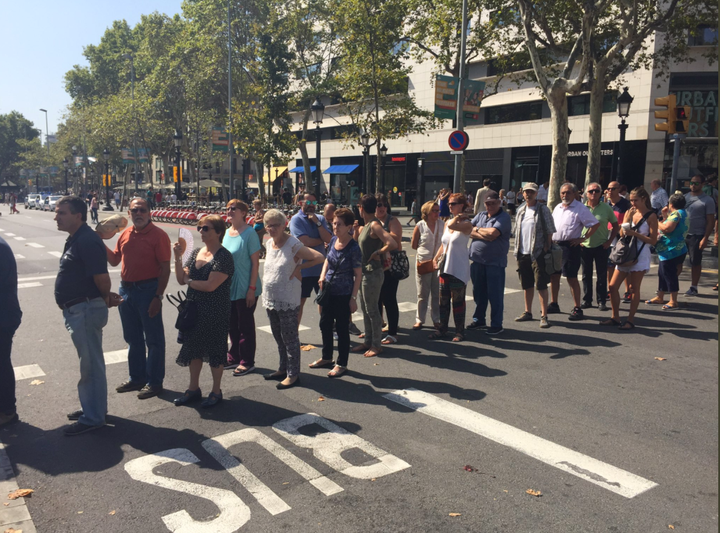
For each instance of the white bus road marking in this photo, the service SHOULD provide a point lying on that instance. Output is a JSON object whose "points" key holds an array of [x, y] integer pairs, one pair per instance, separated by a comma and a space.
{"points": [[118, 356], [34, 244], [56, 254], [268, 329], [29, 285], [19, 238], [602, 474], [27, 372]]}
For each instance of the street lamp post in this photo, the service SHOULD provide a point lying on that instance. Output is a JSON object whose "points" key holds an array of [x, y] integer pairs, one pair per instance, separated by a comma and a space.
{"points": [[177, 139], [318, 110], [74, 166], [623, 109], [47, 141], [366, 144], [66, 164], [106, 179], [383, 153]]}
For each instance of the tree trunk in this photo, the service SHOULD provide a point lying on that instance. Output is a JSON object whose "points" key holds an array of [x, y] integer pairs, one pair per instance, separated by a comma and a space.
{"points": [[378, 171], [557, 101], [597, 94], [306, 168]]}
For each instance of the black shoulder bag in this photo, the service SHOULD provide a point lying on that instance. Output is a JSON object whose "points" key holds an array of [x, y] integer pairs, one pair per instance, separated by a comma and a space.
{"points": [[323, 297], [187, 314]]}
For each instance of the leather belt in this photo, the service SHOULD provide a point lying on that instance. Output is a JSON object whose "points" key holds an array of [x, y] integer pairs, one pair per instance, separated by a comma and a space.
{"points": [[75, 301], [128, 284]]}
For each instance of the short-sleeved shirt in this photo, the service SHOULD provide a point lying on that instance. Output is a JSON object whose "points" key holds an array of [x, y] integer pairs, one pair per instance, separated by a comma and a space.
{"points": [[242, 247], [11, 314], [542, 194], [344, 261], [301, 225], [620, 208], [570, 221], [84, 256], [671, 245], [142, 252], [698, 207], [605, 215], [495, 252], [658, 198]]}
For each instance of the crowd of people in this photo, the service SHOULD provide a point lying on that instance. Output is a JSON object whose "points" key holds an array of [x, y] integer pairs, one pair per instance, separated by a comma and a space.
{"points": [[343, 256]]}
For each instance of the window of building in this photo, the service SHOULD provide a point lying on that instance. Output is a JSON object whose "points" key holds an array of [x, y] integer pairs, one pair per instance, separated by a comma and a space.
{"points": [[703, 36], [580, 104], [513, 113]]}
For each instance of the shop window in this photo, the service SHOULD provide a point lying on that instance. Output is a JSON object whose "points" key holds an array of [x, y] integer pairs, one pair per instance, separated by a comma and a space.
{"points": [[703, 36], [580, 104], [513, 113]]}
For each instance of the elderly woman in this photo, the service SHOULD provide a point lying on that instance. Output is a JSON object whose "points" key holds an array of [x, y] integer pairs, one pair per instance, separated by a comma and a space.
{"points": [[455, 268], [426, 240], [644, 226], [671, 250], [342, 271], [286, 257], [388, 292], [242, 242], [208, 274]]}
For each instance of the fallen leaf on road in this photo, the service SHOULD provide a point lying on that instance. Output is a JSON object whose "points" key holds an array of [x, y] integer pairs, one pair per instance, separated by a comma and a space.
{"points": [[454, 514], [6, 504], [286, 483], [504, 490], [20, 493], [660, 359], [307, 347], [535, 493], [80, 512], [376, 364], [373, 479], [36, 382], [670, 526], [468, 468], [11, 530], [112, 513], [321, 399]]}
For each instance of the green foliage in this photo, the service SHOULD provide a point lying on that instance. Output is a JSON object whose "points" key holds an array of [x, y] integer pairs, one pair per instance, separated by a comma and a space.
{"points": [[15, 132]]}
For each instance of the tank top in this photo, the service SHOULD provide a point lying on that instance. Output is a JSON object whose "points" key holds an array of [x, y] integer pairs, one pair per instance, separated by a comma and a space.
{"points": [[429, 242], [368, 246], [457, 258]]}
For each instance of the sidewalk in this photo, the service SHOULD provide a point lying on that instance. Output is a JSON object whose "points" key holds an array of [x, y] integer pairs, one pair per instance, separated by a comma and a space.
{"points": [[14, 514]]}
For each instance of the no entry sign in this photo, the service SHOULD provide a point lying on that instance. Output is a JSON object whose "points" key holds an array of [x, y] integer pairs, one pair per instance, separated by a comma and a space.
{"points": [[458, 141]]}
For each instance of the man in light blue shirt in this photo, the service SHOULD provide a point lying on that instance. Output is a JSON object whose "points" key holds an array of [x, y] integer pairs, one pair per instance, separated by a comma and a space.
{"points": [[312, 230], [658, 197]]}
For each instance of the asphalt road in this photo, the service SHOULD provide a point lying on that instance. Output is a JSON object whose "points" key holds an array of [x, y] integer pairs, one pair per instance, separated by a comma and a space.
{"points": [[614, 439]]}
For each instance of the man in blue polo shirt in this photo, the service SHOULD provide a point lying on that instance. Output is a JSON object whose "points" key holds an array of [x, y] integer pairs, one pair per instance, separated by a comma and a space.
{"points": [[82, 291], [489, 250], [311, 230]]}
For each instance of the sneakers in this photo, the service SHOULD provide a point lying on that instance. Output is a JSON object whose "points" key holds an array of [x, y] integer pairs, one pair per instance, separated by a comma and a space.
{"points": [[586, 305], [494, 331], [148, 391], [78, 428], [129, 386], [553, 308], [576, 314], [7, 419], [627, 297], [602, 307], [75, 414], [335, 336], [525, 317], [544, 322], [692, 291], [475, 325], [353, 329]]}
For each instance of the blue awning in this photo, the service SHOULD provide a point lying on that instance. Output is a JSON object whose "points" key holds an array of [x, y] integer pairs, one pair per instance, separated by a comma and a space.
{"points": [[340, 169], [301, 169]]}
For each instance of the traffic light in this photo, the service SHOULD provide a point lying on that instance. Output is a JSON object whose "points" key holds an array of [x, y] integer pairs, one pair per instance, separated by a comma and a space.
{"points": [[682, 118], [669, 115], [175, 174]]}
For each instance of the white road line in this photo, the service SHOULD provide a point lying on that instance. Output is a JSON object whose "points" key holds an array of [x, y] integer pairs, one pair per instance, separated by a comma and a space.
{"points": [[118, 356], [29, 285], [18, 256], [27, 372], [34, 244], [602, 474], [405, 307], [56, 254], [267, 329], [10, 234], [19, 238], [53, 276]]}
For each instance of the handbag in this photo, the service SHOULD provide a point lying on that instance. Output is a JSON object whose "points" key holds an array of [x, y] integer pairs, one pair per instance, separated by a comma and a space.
{"points": [[425, 267], [625, 253], [187, 314], [399, 265], [553, 257], [323, 297]]}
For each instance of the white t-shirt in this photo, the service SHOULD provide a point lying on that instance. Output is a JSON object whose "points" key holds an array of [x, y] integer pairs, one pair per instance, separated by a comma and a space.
{"points": [[527, 230], [542, 193], [510, 198]]}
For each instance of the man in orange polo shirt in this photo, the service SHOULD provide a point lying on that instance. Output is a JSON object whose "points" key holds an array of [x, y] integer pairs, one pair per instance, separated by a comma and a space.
{"points": [[144, 250]]}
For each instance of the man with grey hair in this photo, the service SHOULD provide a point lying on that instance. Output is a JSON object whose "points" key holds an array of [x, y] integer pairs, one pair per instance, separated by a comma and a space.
{"points": [[658, 197], [570, 218]]}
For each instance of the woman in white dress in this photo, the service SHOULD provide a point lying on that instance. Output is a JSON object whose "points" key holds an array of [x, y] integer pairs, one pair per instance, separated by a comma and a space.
{"points": [[455, 268], [281, 294], [426, 239], [644, 226]]}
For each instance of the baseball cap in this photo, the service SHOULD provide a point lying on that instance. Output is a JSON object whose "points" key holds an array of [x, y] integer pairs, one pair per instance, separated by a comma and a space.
{"points": [[531, 187]]}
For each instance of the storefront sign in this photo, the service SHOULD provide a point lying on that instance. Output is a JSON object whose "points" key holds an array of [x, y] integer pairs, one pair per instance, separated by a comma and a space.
{"points": [[398, 159], [584, 153]]}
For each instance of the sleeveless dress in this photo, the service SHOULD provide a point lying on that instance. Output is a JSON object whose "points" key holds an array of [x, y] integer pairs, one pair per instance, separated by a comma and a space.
{"points": [[643, 262]]}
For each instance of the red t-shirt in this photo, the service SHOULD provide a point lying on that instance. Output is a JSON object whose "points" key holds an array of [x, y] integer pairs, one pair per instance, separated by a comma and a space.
{"points": [[142, 252]]}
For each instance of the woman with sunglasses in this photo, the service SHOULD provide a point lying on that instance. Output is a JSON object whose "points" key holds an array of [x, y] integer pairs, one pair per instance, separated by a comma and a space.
{"points": [[388, 293], [242, 242], [208, 274], [426, 240], [640, 222], [455, 268], [286, 257]]}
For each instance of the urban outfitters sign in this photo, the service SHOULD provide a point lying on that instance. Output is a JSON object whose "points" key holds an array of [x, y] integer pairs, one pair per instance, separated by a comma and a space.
{"points": [[704, 115]]}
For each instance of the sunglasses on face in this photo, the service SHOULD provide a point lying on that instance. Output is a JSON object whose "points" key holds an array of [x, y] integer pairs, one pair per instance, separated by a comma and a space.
{"points": [[136, 210], [310, 202], [594, 191], [381, 205], [204, 228], [613, 188], [453, 203], [695, 183]]}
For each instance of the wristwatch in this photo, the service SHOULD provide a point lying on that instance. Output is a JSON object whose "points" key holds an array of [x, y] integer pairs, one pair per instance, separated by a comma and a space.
{"points": [[353, 297], [318, 223]]}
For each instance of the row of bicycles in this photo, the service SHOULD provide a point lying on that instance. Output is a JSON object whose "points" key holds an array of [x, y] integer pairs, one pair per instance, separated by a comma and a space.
{"points": [[189, 215]]}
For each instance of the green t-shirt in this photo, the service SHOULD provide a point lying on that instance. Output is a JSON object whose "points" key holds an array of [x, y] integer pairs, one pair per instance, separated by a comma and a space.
{"points": [[606, 216], [242, 247]]}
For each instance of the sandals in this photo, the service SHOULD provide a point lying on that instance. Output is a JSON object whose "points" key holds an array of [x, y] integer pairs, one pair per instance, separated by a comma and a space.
{"points": [[655, 301], [373, 352], [417, 326], [627, 325], [436, 335], [668, 306], [360, 348], [337, 371], [458, 338], [389, 339], [611, 322], [322, 363]]}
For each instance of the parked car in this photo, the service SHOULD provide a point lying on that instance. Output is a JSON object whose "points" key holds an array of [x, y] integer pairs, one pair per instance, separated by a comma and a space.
{"points": [[34, 201], [49, 203]]}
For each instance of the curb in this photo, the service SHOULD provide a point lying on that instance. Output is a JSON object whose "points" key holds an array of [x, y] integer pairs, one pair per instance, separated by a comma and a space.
{"points": [[16, 514]]}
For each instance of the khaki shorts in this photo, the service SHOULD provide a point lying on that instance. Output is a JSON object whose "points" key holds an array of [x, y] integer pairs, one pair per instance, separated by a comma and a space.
{"points": [[532, 273]]}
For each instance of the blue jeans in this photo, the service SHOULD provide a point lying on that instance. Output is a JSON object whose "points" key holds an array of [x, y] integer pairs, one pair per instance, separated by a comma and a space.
{"points": [[85, 322], [138, 330], [488, 286]]}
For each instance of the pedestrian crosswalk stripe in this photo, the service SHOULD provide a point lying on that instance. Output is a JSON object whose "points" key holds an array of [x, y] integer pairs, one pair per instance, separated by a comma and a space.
{"points": [[10, 234], [27, 372], [18, 256], [29, 285], [267, 329], [19, 238], [405, 307], [34, 244], [56, 254], [118, 356], [602, 474]]}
